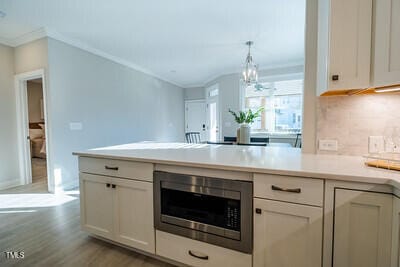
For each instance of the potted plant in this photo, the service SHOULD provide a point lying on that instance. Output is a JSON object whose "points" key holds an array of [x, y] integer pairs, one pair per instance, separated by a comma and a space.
{"points": [[244, 119]]}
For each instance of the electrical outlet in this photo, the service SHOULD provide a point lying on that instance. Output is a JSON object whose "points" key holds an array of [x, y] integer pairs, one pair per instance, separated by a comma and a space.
{"points": [[75, 126], [376, 144], [328, 145]]}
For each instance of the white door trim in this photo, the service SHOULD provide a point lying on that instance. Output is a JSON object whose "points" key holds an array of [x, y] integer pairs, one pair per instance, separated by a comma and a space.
{"points": [[25, 171]]}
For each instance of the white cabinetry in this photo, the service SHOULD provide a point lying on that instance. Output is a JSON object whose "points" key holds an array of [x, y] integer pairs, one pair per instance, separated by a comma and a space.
{"points": [[344, 49], [118, 209], [287, 234], [387, 43], [396, 233], [362, 229]]}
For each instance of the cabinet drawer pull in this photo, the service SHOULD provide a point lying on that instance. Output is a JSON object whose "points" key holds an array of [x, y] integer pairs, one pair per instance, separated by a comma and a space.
{"points": [[290, 190], [201, 257], [108, 185], [111, 168], [113, 186]]}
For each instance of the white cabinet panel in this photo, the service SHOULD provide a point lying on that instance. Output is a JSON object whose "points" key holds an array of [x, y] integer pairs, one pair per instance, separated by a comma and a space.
{"points": [[396, 233], [344, 44], [387, 43], [362, 229], [350, 44], [118, 209], [96, 205], [197, 253], [287, 235], [133, 207]]}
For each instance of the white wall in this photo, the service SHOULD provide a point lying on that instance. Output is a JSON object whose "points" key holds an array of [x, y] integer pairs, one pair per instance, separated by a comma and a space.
{"points": [[35, 95], [9, 171], [229, 95], [195, 93], [31, 56], [115, 105]]}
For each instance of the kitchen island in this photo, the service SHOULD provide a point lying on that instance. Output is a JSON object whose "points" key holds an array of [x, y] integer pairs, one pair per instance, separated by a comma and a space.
{"points": [[314, 205]]}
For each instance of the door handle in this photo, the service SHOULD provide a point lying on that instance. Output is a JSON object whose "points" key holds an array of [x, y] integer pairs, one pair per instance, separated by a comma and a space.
{"points": [[201, 257], [289, 190], [111, 168]]}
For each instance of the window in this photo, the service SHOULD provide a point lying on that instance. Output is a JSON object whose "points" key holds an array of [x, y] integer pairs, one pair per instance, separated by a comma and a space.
{"points": [[282, 99]]}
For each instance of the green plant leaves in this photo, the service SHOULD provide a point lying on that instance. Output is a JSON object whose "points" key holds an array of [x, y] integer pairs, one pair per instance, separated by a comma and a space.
{"points": [[246, 116]]}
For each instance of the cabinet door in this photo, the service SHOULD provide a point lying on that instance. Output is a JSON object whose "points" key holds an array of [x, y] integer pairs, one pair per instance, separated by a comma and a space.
{"points": [[133, 214], [387, 42], [396, 233], [362, 229], [350, 44], [96, 205], [287, 235]]}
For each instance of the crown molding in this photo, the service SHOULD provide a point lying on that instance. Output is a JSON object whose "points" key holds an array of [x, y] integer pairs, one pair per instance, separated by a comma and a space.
{"points": [[45, 32]]}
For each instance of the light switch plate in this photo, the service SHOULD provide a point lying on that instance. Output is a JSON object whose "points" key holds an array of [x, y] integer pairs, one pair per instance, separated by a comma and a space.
{"points": [[376, 144], [75, 126], [328, 145]]}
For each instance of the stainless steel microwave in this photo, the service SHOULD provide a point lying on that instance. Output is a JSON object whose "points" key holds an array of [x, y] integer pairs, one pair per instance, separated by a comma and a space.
{"points": [[213, 210]]}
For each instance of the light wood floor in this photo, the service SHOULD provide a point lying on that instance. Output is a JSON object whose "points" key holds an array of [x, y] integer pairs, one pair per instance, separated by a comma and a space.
{"points": [[33, 221], [39, 170]]}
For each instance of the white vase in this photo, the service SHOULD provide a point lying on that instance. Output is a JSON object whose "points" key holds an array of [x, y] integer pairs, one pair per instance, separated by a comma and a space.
{"points": [[238, 135], [244, 134]]}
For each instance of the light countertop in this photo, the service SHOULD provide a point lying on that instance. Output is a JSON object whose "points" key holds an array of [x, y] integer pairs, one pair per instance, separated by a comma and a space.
{"points": [[273, 160]]}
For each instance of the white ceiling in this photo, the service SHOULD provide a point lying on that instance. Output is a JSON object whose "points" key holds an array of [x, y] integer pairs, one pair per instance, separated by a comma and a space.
{"points": [[186, 42]]}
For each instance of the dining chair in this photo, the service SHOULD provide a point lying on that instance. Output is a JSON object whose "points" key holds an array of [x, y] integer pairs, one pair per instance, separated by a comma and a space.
{"points": [[298, 140], [193, 137]]}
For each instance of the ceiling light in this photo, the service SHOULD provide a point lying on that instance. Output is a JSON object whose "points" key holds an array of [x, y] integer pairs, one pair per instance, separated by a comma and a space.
{"points": [[386, 90], [250, 72], [2, 14]]}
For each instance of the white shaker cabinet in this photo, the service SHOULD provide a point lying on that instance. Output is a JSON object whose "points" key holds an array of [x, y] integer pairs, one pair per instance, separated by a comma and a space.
{"points": [[386, 61], [118, 209], [96, 205], [344, 44], [362, 229], [287, 234], [396, 232]]}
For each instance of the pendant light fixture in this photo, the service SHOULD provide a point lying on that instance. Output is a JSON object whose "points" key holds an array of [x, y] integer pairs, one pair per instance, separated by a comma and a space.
{"points": [[250, 72]]}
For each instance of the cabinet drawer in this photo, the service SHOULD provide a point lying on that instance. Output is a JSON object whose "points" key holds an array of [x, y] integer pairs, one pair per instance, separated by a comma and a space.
{"points": [[291, 189], [190, 251], [117, 168]]}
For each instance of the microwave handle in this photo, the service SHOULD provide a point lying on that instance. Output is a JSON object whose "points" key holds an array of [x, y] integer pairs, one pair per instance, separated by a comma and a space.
{"points": [[201, 257]]}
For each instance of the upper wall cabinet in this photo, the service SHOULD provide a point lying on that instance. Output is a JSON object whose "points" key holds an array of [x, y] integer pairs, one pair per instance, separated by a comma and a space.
{"points": [[386, 60], [344, 44]]}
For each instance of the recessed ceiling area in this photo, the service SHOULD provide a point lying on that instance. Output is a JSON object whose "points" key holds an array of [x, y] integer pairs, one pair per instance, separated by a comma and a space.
{"points": [[184, 42]]}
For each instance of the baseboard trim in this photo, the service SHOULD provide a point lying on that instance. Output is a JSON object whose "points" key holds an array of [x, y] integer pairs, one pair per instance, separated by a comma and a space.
{"points": [[9, 184]]}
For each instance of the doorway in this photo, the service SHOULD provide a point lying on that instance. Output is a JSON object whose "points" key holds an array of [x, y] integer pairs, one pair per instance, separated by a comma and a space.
{"points": [[195, 117], [33, 136], [213, 115]]}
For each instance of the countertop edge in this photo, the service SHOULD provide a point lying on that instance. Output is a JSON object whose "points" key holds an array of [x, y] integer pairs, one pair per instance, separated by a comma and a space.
{"points": [[306, 174]]}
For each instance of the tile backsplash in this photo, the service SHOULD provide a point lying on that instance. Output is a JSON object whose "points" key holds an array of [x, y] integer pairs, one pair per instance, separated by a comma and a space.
{"points": [[352, 119]]}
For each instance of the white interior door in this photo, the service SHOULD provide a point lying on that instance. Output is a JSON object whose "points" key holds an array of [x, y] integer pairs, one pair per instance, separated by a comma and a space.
{"points": [[195, 118], [213, 120]]}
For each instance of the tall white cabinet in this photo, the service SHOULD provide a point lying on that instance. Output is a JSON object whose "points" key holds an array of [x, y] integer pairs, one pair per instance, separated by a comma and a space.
{"points": [[386, 64]]}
